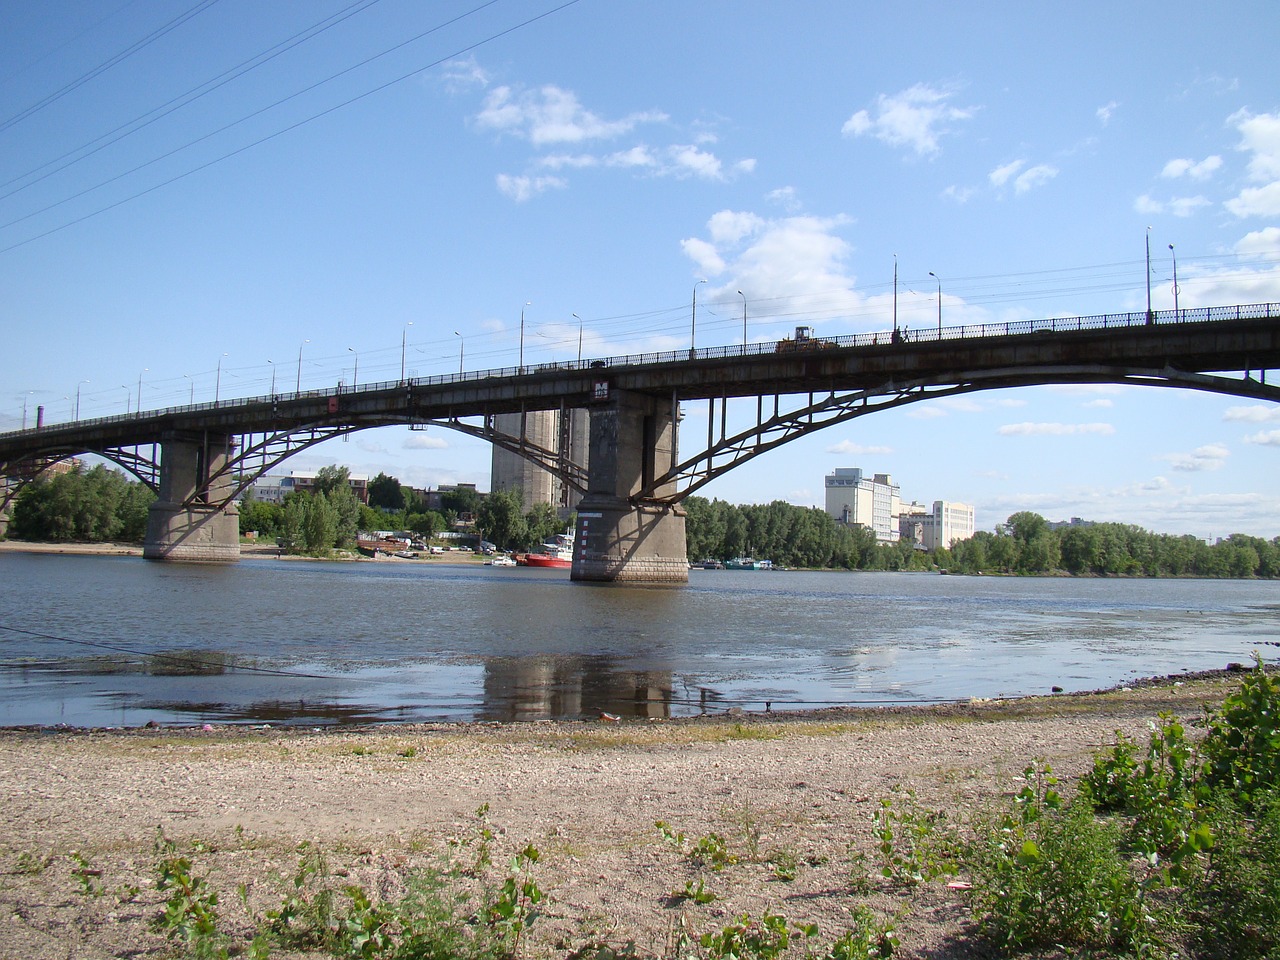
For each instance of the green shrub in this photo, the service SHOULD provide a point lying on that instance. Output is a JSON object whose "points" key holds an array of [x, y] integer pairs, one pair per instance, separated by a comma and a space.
{"points": [[1242, 747], [1236, 901], [1046, 873]]}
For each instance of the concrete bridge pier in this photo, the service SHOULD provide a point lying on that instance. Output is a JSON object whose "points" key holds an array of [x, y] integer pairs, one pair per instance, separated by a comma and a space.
{"points": [[619, 540], [185, 524]]}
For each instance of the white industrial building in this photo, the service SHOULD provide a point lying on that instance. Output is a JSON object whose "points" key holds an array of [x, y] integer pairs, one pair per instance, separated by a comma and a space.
{"points": [[872, 502], [941, 525], [546, 429]]}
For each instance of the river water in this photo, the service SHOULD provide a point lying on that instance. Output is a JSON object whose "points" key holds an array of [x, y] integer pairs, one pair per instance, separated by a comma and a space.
{"points": [[119, 641]]}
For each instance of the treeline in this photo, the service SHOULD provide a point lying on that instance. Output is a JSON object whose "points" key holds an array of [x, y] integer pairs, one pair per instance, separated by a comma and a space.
{"points": [[97, 505], [806, 537]]}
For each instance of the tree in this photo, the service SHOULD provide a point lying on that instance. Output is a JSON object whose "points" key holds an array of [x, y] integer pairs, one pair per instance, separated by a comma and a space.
{"points": [[88, 506], [319, 525], [386, 493], [426, 524], [541, 523], [501, 520], [330, 478]]}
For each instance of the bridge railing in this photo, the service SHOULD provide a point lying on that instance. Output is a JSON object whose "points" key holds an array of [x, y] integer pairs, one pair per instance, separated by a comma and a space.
{"points": [[1064, 324]]}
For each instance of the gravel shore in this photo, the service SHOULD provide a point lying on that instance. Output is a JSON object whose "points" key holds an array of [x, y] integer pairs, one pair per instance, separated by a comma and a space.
{"points": [[82, 811]]}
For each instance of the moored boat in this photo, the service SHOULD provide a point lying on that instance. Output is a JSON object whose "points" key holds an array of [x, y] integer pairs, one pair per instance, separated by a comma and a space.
{"points": [[556, 554]]}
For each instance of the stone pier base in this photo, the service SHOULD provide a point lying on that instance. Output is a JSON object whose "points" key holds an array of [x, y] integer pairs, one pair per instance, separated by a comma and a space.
{"points": [[186, 524], [192, 534], [618, 543]]}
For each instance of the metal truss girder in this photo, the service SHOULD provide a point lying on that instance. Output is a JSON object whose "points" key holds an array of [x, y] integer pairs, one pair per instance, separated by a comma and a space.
{"points": [[22, 472], [730, 451], [555, 462]]}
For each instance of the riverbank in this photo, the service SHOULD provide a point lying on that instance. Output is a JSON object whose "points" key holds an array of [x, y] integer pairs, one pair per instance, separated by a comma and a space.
{"points": [[790, 795]]}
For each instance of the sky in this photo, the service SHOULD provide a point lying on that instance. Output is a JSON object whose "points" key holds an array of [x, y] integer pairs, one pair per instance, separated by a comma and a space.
{"points": [[201, 198]]}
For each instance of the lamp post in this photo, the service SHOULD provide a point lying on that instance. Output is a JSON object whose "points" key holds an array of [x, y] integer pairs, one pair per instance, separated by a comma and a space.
{"points": [[1150, 315], [579, 319], [355, 368], [693, 322], [404, 334], [78, 399], [744, 319], [273, 377], [128, 398], [217, 383], [939, 279], [895, 298], [462, 346], [144, 370], [527, 303], [297, 387], [191, 394], [24, 407], [1175, 279]]}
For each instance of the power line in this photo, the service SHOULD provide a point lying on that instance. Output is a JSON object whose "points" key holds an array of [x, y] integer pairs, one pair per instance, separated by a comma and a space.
{"points": [[288, 129], [131, 127], [107, 64]]}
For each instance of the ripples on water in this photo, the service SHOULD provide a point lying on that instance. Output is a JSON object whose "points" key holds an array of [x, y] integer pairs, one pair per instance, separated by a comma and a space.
{"points": [[307, 642]]}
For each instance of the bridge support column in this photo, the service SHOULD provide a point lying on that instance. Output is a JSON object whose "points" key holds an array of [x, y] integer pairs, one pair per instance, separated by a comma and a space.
{"points": [[184, 524], [619, 540]]}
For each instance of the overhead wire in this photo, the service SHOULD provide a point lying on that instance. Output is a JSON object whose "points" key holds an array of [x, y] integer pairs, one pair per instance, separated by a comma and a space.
{"points": [[145, 120], [107, 64], [278, 133]]}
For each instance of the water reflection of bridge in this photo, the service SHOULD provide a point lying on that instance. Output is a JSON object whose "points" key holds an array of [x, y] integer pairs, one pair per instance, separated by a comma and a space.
{"points": [[554, 687], [630, 524]]}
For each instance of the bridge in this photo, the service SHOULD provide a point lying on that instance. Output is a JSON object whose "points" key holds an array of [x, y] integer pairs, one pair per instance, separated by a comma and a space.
{"points": [[630, 528]]}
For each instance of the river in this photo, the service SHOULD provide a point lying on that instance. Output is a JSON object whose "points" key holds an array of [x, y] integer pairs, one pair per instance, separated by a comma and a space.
{"points": [[119, 641]]}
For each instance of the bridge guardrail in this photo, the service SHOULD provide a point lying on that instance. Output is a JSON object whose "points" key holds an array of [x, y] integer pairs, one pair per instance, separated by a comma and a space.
{"points": [[879, 338]]}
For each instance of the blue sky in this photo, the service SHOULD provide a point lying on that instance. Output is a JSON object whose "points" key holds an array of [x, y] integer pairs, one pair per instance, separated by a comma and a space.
{"points": [[416, 173]]}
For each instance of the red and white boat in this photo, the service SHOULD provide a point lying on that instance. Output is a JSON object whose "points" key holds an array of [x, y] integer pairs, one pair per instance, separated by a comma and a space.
{"points": [[557, 554]]}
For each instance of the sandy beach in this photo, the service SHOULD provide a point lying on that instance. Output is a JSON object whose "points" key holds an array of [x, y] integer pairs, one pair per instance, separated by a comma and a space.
{"points": [[82, 811]]}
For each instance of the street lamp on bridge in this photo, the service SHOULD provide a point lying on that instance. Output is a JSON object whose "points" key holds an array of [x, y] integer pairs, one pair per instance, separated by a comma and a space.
{"points": [[693, 322], [297, 388], [191, 394], [78, 399], [1175, 279], [579, 319], [355, 368], [404, 339], [462, 346], [744, 318], [939, 279], [144, 370], [217, 383], [527, 303], [273, 377]]}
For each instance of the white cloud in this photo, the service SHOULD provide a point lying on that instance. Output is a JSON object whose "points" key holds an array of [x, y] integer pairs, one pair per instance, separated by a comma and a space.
{"points": [[1209, 457], [1034, 177], [1255, 414], [704, 255], [1102, 403], [638, 156], [1190, 168], [687, 159], [417, 440], [522, 188], [1106, 111], [460, 75], [553, 115], [732, 226], [1265, 242], [1266, 438], [1177, 206], [784, 197], [916, 117], [848, 447], [1260, 136], [1000, 175], [1256, 201], [576, 161], [958, 194], [1028, 429]]}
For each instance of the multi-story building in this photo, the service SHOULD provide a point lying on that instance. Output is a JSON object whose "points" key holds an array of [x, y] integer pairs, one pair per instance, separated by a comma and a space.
{"points": [[273, 489], [941, 525], [546, 429], [871, 502]]}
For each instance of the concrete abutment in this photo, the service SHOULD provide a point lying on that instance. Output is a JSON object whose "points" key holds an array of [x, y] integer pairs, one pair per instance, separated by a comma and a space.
{"points": [[620, 539], [185, 524]]}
